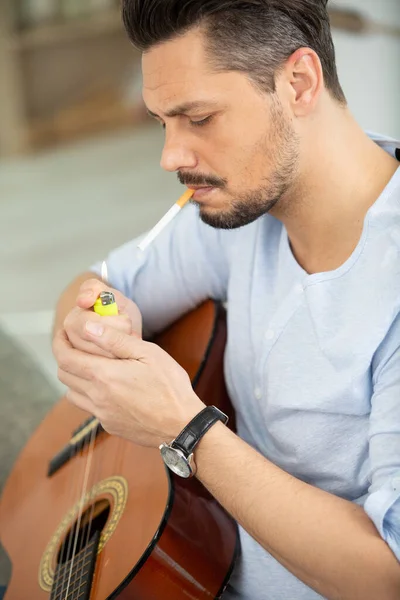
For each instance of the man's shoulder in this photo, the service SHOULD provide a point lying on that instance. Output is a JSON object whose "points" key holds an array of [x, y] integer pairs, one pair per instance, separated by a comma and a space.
{"points": [[384, 216]]}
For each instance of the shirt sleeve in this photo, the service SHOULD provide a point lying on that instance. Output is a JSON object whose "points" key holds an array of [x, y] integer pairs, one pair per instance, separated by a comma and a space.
{"points": [[383, 501], [185, 265]]}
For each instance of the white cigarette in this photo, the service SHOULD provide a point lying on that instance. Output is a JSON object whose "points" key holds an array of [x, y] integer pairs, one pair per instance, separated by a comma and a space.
{"points": [[166, 220]]}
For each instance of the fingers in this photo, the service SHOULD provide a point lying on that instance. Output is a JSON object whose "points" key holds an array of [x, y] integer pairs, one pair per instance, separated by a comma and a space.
{"points": [[116, 342], [80, 401], [74, 326], [73, 383], [75, 362], [76, 320], [92, 288]]}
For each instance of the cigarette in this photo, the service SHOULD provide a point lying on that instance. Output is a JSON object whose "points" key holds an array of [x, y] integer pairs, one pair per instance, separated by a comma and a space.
{"points": [[166, 220]]}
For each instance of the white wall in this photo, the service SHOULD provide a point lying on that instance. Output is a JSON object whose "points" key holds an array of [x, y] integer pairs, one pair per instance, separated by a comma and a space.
{"points": [[369, 68]]}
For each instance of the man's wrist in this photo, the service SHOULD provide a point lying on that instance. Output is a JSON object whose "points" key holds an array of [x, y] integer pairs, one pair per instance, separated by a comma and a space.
{"points": [[213, 443], [180, 454], [193, 407], [211, 440]]}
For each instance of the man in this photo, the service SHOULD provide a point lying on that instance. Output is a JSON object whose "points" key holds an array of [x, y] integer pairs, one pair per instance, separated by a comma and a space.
{"points": [[299, 231]]}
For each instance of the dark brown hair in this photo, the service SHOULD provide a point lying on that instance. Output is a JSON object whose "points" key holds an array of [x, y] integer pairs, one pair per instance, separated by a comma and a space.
{"points": [[254, 36]]}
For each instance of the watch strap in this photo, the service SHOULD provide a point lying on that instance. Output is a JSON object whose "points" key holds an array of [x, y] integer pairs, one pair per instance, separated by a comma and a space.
{"points": [[191, 435]]}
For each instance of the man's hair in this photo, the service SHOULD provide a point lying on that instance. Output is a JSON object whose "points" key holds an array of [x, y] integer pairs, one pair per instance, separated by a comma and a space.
{"points": [[255, 37]]}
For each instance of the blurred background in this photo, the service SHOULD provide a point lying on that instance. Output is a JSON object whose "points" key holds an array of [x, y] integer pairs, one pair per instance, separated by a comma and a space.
{"points": [[79, 163]]}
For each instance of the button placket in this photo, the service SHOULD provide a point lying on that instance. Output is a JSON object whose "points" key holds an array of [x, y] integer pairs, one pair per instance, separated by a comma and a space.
{"points": [[276, 326]]}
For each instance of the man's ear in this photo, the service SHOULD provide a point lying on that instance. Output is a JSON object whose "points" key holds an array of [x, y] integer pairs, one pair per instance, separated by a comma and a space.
{"points": [[303, 78]]}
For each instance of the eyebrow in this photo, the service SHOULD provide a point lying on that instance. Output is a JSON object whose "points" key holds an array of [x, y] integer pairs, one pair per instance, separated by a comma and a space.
{"points": [[181, 109]]}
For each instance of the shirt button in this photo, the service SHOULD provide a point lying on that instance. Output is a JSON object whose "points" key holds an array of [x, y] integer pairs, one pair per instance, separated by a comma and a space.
{"points": [[299, 289], [258, 393], [396, 484], [270, 334]]}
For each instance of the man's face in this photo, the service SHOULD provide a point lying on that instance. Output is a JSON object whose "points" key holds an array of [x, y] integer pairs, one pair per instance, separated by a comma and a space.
{"points": [[221, 133]]}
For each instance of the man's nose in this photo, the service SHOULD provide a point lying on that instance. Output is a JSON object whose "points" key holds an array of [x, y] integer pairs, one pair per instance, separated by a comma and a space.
{"points": [[177, 155]]}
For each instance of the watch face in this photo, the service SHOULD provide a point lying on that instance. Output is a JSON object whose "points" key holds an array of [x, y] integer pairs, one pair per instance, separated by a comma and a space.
{"points": [[176, 461]]}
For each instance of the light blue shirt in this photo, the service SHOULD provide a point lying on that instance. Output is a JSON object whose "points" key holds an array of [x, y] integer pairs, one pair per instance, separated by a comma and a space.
{"points": [[312, 362]]}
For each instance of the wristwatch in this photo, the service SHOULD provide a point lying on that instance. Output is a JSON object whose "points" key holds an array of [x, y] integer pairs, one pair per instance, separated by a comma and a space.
{"points": [[179, 454]]}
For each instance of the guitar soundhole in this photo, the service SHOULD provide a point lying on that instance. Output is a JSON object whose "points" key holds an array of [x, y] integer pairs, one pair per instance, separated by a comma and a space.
{"points": [[92, 521]]}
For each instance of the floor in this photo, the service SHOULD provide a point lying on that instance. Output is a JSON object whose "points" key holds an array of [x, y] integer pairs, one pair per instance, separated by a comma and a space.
{"points": [[62, 211]]}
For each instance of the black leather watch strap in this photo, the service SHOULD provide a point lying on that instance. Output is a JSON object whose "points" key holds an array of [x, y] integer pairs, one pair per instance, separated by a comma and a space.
{"points": [[188, 439]]}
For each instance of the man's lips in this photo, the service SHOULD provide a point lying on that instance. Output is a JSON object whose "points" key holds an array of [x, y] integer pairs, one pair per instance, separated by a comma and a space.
{"points": [[200, 191]]}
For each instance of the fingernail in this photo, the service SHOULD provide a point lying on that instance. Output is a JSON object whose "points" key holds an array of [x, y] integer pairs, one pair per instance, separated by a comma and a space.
{"points": [[95, 328]]}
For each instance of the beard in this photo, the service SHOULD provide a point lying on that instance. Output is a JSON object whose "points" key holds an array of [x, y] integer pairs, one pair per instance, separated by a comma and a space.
{"points": [[253, 204]]}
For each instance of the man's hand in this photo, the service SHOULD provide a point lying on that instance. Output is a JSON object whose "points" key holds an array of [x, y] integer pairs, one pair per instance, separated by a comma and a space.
{"points": [[91, 290], [129, 320], [145, 396]]}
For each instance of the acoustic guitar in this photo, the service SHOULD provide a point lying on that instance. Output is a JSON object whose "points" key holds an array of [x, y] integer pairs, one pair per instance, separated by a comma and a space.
{"points": [[89, 516]]}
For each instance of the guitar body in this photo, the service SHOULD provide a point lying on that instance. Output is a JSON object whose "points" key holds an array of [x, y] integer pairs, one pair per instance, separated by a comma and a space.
{"points": [[159, 537]]}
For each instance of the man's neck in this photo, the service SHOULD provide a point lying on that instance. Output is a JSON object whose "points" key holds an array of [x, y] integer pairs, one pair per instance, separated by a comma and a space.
{"points": [[342, 176]]}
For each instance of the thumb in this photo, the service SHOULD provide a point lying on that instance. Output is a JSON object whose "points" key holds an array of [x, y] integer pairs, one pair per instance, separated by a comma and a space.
{"points": [[117, 343], [89, 291]]}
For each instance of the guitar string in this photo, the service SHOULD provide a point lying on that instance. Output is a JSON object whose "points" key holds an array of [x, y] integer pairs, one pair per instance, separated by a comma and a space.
{"points": [[75, 498], [80, 512], [95, 472], [120, 454]]}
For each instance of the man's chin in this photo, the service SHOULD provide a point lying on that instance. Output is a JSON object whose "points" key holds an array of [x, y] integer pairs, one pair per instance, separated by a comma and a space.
{"points": [[219, 219], [238, 216]]}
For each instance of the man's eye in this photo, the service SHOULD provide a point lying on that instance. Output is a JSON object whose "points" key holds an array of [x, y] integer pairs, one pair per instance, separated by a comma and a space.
{"points": [[202, 122]]}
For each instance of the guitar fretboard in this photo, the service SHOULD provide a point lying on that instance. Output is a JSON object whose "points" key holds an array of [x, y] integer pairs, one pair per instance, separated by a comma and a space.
{"points": [[73, 579]]}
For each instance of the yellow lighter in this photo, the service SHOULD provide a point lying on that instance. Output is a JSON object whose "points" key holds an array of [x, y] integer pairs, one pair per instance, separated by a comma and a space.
{"points": [[106, 305]]}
